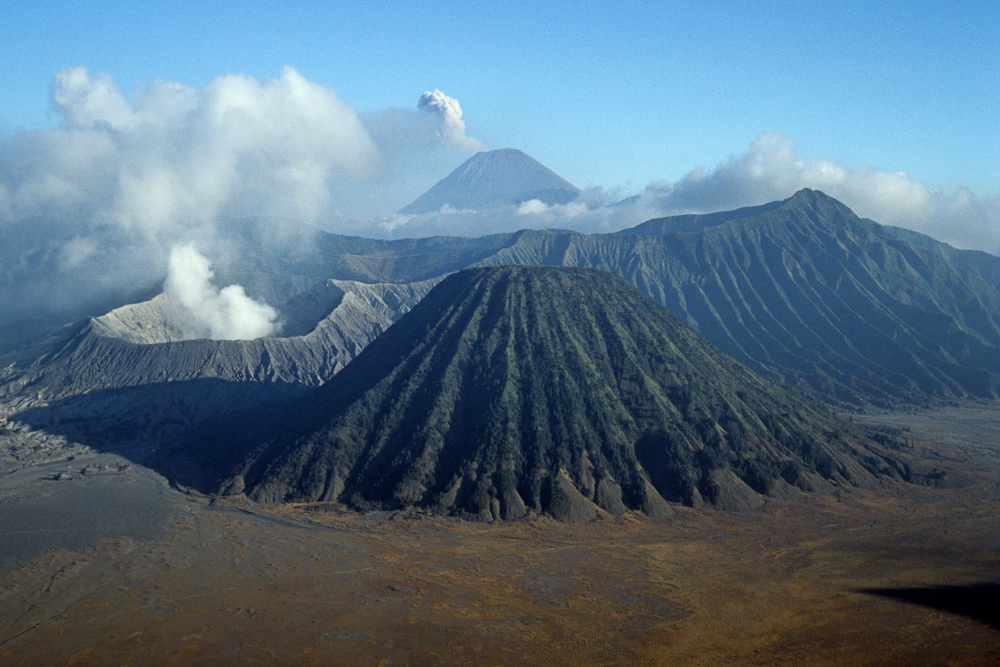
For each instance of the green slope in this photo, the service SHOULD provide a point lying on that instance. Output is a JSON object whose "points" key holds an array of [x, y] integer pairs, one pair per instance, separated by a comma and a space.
{"points": [[522, 389], [808, 292]]}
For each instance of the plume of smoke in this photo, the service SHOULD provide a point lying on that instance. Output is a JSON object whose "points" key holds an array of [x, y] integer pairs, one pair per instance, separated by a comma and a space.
{"points": [[92, 207], [451, 127], [201, 310]]}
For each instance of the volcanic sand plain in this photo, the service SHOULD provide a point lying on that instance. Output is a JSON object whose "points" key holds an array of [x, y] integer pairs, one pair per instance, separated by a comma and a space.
{"points": [[120, 569]]}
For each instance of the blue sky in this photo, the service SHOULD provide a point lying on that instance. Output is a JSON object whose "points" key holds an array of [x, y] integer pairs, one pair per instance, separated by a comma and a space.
{"points": [[618, 96], [605, 94]]}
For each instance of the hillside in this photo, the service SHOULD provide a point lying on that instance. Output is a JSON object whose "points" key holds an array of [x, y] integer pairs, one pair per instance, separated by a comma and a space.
{"points": [[806, 291], [125, 377], [516, 390], [801, 290], [325, 327]]}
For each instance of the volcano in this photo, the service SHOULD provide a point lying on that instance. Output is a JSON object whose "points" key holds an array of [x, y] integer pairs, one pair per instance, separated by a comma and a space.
{"points": [[491, 179], [525, 390]]}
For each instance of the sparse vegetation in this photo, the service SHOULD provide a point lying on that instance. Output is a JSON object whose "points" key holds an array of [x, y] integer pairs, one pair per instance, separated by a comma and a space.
{"points": [[506, 380]]}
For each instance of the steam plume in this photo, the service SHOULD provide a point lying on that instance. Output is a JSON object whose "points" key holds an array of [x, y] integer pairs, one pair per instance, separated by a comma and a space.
{"points": [[92, 207], [202, 310]]}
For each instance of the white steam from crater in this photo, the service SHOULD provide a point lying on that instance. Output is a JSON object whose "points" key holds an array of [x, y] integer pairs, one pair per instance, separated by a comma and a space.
{"points": [[97, 202], [199, 309]]}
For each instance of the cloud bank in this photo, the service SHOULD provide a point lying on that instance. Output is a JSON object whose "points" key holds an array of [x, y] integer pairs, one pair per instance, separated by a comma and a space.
{"points": [[175, 157], [769, 170], [94, 205]]}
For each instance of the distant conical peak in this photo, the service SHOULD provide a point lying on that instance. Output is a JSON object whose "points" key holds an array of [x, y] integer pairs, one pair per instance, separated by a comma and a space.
{"points": [[492, 179]]}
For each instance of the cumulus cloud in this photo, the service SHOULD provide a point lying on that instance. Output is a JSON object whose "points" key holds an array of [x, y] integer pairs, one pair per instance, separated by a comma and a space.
{"points": [[124, 178], [199, 309], [532, 207], [89, 208], [176, 156], [771, 170], [448, 113]]}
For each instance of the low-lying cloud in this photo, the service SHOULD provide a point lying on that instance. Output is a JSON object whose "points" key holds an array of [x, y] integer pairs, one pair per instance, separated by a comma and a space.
{"points": [[199, 309], [94, 205], [769, 170]]}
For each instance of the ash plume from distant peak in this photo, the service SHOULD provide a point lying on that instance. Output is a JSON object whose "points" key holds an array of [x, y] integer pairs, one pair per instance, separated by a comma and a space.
{"points": [[451, 127], [90, 208], [199, 309]]}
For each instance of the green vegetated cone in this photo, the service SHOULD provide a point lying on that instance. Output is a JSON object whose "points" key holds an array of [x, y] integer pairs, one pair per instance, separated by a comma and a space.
{"points": [[519, 390]]}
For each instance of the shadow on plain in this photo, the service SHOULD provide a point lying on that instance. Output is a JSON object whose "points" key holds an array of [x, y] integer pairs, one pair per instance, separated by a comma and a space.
{"points": [[977, 601]]}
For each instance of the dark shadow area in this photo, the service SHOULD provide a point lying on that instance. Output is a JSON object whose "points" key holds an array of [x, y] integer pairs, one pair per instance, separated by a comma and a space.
{"points": [[976, 601], [153, 424], [188, 432]]}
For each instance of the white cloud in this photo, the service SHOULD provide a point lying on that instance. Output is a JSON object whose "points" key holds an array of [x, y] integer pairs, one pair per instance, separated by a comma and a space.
{"points": [[135, 175], [199, 309], [771, 170], [176, 157], [87, 102], [588, 214], [532, 207]]}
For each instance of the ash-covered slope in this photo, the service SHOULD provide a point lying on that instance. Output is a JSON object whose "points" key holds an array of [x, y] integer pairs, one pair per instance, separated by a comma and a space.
{"points": [[325, 327], [808, 292], [801, 289], [518, 389], [125, 380], [494, 178], [121, 381]]}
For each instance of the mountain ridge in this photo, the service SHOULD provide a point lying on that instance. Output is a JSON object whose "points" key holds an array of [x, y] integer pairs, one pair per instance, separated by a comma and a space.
{"points": [[801, 290], [808, 292], [519, 389]]}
